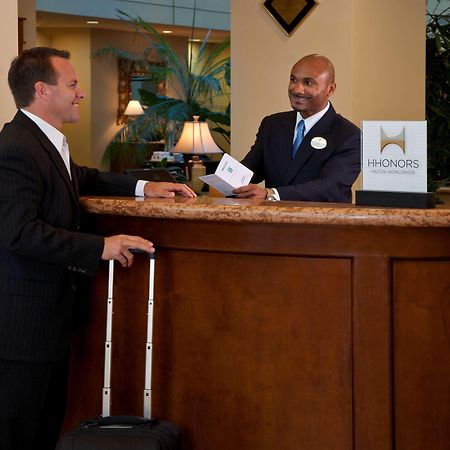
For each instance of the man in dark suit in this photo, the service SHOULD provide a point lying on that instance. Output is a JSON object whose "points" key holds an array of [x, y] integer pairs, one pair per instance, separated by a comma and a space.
{"points": [[311, 153], [43, 253]]}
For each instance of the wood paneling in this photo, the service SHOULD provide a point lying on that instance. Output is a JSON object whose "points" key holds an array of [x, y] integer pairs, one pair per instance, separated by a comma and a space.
{"points": [[278, 336], [421, 323], [257, 348], [372, 366]]}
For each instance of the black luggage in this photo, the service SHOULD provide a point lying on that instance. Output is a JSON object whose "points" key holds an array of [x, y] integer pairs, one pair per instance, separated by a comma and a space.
{"points": [[124, 432]]}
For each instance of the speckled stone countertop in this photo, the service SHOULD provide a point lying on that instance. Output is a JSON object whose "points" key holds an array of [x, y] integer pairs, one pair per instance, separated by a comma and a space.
{"points": [[255, 211]]}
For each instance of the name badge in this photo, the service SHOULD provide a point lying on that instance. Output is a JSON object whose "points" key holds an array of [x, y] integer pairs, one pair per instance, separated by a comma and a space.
{"points": [[318, 143]]}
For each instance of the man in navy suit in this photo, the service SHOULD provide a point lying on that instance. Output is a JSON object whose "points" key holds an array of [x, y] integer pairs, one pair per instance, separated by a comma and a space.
{"points": [[308, 154], [43, 253]]}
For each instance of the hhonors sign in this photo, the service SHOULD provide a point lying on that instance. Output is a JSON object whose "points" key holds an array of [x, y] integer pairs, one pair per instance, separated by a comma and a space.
{"points": [[394, 156]]}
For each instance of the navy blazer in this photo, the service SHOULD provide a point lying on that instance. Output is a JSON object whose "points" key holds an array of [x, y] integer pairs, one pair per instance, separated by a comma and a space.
{"points": [[42, 251], [321, 175]]}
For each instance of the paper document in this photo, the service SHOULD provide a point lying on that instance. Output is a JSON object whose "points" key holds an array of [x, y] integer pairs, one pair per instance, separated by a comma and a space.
{"points": [[230, 174]]}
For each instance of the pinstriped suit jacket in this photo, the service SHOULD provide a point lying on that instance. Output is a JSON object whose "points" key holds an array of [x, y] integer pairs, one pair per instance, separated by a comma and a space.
{"points": [[320, 175], [42, 250]]}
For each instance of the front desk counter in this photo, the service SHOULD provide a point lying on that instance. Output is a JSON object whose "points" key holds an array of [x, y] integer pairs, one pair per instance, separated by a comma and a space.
{"points": [[278, 325]]}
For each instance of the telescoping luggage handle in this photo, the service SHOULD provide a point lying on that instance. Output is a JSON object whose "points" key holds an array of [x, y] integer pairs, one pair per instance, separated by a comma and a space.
{"points": [[108, 342]]}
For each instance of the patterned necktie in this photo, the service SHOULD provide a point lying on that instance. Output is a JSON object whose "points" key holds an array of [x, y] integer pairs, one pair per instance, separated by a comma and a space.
{"points": [[299, 138], [66, 155]]}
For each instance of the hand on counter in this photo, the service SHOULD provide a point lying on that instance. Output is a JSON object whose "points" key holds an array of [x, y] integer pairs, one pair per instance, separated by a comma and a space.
{"points": [[250, 191], [167, 190], [118, 248]]}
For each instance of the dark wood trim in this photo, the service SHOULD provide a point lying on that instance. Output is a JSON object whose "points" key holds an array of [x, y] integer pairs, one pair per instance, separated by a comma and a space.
{"points": [[20, 27]]}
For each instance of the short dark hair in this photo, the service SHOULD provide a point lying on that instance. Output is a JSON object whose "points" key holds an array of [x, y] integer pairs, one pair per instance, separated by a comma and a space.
{"points": [[31, 66]]}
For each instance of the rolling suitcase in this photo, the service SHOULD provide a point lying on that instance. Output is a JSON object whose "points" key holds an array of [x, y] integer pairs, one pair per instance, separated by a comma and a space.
{"points": [[124, 432]]}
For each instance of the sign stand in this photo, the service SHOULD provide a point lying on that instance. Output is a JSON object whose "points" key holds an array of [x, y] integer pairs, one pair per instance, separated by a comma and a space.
{"points": [[423, 200]]}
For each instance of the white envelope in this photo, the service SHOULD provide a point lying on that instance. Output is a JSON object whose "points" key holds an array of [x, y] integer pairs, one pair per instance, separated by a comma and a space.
{"points": [[229, 175]]}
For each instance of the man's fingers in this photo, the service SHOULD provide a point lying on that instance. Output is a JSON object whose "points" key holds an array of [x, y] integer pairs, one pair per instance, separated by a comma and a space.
{"points": [[118, 248], [123, 261], [186, 191], [167, 190], [244, 189]]}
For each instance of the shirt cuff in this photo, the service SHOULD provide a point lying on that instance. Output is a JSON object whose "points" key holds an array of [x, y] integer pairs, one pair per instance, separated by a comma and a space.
{"points": [[139, 189], [276, 194]]}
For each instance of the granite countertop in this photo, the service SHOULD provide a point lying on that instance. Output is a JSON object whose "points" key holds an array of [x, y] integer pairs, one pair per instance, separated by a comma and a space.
{"points": [[256, 211]]}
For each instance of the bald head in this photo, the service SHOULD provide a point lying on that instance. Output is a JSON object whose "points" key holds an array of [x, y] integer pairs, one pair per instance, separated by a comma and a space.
{"points": [[311, 84], [322, 63]]}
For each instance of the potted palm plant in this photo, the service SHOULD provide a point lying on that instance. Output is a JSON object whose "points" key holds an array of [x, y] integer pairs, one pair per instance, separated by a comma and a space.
{"points": [[438, 98], [196, 78]]}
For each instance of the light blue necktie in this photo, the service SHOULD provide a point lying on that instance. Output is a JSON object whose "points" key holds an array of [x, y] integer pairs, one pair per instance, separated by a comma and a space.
{"points": [[299, 137]]}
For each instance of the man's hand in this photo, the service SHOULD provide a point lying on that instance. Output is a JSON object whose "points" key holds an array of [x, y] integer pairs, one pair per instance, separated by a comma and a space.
{"points": [[118, 248], [167, 190], [250, 191]]}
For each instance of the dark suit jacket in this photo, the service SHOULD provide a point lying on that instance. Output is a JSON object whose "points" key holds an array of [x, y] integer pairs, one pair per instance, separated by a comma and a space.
{"points": [[321, 175], [42, 251]]}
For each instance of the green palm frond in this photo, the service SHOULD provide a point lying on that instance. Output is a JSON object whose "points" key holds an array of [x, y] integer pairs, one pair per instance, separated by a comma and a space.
{"points": [[196, 80], [437, 97]]}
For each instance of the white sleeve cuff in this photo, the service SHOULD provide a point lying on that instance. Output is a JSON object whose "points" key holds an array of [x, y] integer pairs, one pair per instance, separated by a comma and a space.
{"points": [[276, 194], [139, 189]]}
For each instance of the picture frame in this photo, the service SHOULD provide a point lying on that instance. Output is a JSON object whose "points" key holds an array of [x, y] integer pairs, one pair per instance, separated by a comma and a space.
{"points": [[289, 13], [131, 78]]}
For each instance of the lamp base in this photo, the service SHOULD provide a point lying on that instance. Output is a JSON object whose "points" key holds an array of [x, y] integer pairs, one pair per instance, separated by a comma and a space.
{"points": [[196, 169]]}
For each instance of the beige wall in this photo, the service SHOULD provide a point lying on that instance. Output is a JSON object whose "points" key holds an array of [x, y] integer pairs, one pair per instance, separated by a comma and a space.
{"points": [[377, 48], [8, 38], [388, 60]]}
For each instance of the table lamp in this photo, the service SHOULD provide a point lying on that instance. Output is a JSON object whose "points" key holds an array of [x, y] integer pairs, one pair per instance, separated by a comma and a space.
{"points": [[133, 108], [196, 139]]}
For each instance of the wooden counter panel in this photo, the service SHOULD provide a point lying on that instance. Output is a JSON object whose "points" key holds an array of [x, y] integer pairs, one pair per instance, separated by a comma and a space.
{"points": [[421, 318], [260, 350]]}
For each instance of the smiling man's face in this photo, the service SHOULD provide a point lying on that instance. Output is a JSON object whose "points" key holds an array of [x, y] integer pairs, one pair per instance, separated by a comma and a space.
{"points": [[311, 84], [65, 95]]}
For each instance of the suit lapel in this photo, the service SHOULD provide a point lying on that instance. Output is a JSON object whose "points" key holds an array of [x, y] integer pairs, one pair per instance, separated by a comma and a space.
{"points": [[305, 151], [50, 149], [284, 152]]}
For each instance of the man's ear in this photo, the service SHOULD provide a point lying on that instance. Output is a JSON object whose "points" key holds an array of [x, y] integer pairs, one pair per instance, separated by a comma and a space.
{"points": [[331, 88], [42, 90]]}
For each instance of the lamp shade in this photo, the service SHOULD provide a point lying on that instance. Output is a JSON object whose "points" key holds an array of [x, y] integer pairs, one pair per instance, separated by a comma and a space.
{"points": [[134, 108], [196, 138]]}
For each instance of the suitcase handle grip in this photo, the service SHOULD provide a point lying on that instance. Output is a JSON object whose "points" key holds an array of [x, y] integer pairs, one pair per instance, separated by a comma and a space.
{"points": [[136, 251]]}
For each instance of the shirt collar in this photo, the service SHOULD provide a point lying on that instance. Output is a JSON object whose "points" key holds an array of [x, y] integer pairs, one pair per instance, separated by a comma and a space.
{"points": [[311, 120], [54, 135]]}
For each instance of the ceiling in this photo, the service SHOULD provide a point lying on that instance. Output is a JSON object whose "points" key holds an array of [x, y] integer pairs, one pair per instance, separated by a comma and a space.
{"points": [[55, 20]]}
